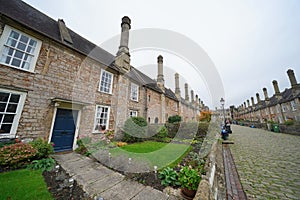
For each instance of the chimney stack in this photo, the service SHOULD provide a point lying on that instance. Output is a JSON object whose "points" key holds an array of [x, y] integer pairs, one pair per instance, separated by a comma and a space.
{"points": [[248, 103], [192, 96], [196, 99], [186, 88], [276, 88], [266, 94], [292, 78], [252, 101], [258, 98], [125, 25], [177, 88], [245, 104], [122, 59], [160, 73]]}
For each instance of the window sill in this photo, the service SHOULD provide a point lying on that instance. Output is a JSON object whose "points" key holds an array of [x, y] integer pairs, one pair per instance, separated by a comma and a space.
{"points": [[105, 92], [18, 68]]}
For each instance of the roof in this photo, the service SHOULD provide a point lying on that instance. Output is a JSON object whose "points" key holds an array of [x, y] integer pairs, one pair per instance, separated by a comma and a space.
{"points": [[33, 19]]}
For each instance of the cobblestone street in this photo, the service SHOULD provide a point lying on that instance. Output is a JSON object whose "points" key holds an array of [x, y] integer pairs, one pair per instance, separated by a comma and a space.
{"points": [[268, 163]]}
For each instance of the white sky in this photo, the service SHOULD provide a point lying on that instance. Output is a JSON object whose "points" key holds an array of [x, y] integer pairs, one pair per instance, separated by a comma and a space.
{"points": [[251, 42]]}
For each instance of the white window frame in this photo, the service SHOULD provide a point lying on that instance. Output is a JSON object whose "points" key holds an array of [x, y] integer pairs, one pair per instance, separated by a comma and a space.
{"points": [[134, 89], [293, 105], [95, 118], [18, 112], [4, 37], [101, 82], [131, 113]]}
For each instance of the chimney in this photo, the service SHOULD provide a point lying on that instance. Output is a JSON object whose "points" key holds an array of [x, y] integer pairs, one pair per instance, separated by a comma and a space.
{"points": [[160, 73], [266, 94], [196, 99], [125, 25], [245, 104], [186, 88], [252, 101], [192, 96], [292, 78], [276, 88], [248, 103], [122, 60], [177, 88], [258, 98]]}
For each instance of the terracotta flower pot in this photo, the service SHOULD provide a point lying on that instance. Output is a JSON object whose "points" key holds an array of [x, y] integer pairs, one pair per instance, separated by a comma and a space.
{"points": [[188, 194]]}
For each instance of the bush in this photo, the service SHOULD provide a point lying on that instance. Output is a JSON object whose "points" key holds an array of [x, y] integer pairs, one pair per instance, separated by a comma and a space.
{"points": [[168, 177], [189, 178], [17, 155], [289, 122], [172, 129], [174, 118], [44, 149], [161, 134], [135, 129], [45, 164], [7, 141]]}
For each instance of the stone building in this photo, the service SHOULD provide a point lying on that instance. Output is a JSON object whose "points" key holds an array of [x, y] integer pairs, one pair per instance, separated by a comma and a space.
{"points": [[279, 108], [57, 85]]}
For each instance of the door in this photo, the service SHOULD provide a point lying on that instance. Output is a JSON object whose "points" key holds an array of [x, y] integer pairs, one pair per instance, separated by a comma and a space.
{"points": [[64, 129]]}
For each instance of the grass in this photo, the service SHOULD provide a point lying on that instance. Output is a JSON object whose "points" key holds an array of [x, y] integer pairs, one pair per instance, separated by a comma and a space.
{"points": [[156, 153], [23, 184]]}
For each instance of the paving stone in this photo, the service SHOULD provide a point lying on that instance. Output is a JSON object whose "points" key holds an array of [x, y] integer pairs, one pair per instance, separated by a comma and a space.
{"points": [[124, 190], [267, 162], [149, 193]]}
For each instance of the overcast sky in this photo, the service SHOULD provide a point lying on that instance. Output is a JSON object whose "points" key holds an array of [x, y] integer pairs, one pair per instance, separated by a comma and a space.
{"points": [[250, 42]]}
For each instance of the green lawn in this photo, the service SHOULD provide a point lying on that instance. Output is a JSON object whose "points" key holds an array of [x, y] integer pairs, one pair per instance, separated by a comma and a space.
{"points": [[156, 153], [23, 184]]}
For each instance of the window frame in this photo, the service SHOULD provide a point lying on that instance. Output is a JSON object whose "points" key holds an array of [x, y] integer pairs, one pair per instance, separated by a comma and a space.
{"points": [[3, 39], [111, 81], [18, 113], [133, 111], [137, 92], [293, 105], [95, 118]]}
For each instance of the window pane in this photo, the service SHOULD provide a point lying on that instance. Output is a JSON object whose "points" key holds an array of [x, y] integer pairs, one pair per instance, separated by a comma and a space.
{"points": [[8, 118], [10, 51], [19, 54], [11, 42], [16, 62], [24, 39], [1, 115], [32, 43], [4, 97], [21, 46], [14, 34], [5, 128], [12, 108], [14, 98]]}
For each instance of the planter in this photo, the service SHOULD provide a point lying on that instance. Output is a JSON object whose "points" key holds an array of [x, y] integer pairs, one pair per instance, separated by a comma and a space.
{"points": [[188, 194]]}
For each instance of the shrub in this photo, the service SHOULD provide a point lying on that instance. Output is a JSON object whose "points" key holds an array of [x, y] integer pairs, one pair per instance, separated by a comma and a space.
{"points": [[45, 164], [17, 155], [189, 178], [135, 129], [289, 122], [168, 177], [172, 129], [174, 118], [161, 134], [81, 149], [44, 149], [7, 141]]}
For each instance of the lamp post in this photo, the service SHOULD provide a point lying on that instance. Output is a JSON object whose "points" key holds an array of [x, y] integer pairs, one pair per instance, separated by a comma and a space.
{"points": [[222, 101]]}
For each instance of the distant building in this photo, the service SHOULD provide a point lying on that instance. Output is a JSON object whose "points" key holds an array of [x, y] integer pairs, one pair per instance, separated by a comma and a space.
{"points": [[282, 106], [57, 85]]}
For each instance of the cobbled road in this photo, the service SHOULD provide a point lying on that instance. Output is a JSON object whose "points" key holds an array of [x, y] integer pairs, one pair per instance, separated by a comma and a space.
{"points": [[268, 163]]}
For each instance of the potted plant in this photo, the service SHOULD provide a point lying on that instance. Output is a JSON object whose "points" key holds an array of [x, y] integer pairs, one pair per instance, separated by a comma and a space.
{"points": [[189, 179]]}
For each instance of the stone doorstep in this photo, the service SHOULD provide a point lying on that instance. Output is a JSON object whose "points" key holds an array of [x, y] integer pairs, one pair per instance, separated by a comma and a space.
{"points": [[100, 186], [93, 175], [123, 190]]}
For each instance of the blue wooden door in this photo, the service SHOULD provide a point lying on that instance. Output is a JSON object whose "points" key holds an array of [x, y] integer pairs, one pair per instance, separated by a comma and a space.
{"points": [[64, 129]]}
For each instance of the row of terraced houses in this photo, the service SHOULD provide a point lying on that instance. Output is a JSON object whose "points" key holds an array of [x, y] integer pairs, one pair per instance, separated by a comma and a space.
{"points": [[279, 108], [57, 85]]}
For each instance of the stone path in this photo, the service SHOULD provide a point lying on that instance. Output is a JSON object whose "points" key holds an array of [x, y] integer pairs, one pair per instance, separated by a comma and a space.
{"points": [[99, 181], [268, 163]]}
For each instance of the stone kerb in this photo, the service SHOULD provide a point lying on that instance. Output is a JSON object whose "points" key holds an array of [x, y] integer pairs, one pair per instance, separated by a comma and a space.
{"points": [[212, 185]]}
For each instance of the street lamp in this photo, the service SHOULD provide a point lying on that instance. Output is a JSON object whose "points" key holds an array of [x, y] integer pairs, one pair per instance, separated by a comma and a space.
{"points": [[222, 101]]}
